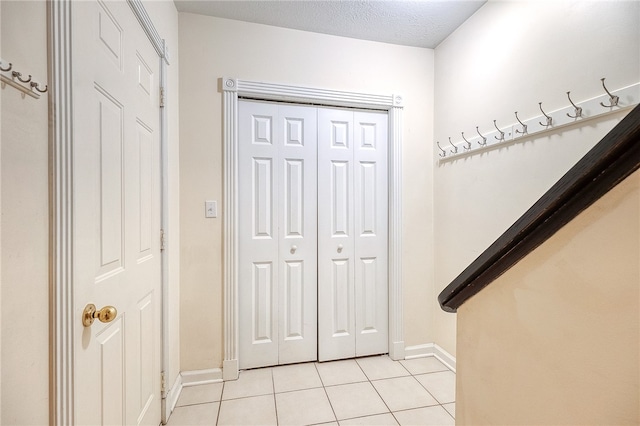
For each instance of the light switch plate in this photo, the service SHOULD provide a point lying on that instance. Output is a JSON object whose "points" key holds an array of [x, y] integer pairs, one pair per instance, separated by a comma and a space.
{"points": [[210, 209]]}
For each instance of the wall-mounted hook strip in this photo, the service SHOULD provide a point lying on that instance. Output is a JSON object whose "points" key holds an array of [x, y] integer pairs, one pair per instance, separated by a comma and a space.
{"points": [[613, 99], [501, 138], [444, 153], [6, 69], [524, 126], [578, 110], [549, 119], [467, 146], [484, 140], [455, 148], [18, 75], [36, 86]]}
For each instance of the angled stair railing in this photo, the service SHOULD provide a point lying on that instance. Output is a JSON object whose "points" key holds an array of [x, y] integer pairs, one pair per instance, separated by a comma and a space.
{"points": [[608, 163]]}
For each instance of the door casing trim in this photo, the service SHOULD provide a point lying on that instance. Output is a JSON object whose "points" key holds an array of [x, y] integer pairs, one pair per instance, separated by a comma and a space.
{"points": [[232, 89]]}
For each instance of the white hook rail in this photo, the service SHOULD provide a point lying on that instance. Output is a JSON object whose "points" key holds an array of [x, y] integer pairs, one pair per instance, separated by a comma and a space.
{"points": [[547, 122]]}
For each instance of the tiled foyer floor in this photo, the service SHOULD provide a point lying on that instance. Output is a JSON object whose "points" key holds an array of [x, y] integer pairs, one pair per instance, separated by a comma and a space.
{"points": [[365, 391]]}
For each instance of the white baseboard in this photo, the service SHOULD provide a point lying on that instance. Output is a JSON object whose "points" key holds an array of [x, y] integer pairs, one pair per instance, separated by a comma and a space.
{"points": [[201, 377], [431, 349]]}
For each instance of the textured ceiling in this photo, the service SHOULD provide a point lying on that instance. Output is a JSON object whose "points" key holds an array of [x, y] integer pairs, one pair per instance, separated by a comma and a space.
{"points": [[422, 23]]}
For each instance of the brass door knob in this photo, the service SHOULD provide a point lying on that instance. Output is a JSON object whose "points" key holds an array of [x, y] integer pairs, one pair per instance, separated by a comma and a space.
{"points": [[90, 313]]}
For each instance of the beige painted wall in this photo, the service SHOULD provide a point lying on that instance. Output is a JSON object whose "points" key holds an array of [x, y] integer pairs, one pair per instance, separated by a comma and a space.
{"points": [[24, 278], [555, 340], [508, 57], [211, 48]]}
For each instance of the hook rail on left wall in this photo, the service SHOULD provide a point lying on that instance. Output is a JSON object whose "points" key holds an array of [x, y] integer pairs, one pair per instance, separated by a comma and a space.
{"points": [[18, 81]]}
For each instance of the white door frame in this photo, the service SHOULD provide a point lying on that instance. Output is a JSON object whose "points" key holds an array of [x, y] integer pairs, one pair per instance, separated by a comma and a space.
{"points": [[232, 89], [61, 201]]}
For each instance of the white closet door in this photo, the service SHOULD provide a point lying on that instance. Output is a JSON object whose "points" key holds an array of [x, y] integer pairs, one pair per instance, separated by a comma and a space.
{"points": [[352, 234], [277, 234], [336, 325], [371, 232]]}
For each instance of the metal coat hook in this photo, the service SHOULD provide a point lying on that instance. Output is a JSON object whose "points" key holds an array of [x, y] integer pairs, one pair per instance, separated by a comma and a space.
{"points": [[455, 151], [501, 138], [484, 140], [36, 86], [524, 126], [18, 75], [8, 69], [444, 153], [549, 119], [578, 109], [613, 100], [466, 147]]}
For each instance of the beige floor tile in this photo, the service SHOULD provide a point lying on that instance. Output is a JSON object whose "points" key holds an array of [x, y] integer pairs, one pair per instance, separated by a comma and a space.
{"points": [[255, 410], [381, 367], [355, 400], [200, 414], [441, 385], [340, 372], [424, 365], [451, 408], [199, 394], [402, 393], [428, 416], [304, 407], [386, 419], [250, 383], [295, 377]]}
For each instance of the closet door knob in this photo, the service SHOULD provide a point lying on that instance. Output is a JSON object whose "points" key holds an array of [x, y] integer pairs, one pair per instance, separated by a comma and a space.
{"points": [[340, 247], [293, 249]]}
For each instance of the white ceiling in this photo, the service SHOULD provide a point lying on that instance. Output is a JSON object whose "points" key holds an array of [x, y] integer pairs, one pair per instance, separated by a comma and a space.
{"points": [[420, 23]]}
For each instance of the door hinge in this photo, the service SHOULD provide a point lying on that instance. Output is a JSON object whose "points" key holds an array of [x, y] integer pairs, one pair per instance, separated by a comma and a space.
{"points": [[163, 388], [161, 239], [161, 97]]}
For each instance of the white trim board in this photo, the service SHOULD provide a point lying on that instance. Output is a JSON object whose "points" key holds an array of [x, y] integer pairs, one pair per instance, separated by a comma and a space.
{"points": [[431, 349], [232, 89]]}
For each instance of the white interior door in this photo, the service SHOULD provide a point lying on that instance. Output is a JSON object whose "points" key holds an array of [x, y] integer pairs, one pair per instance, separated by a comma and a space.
{"points": [[352, 233], [116, 211], [277, 235]]}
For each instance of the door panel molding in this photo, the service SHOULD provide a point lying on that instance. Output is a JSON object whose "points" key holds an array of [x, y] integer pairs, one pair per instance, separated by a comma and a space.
{"points": [[232, 89]]}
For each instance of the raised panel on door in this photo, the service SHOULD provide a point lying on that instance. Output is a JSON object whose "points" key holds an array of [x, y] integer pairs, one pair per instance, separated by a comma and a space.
{"points": [[336, 227], [371, 232], [258, 199], [116, 223], [297, 235]]}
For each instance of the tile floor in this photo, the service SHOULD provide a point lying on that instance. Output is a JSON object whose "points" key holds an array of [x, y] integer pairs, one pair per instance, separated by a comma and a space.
{"points": [[364, 391]]}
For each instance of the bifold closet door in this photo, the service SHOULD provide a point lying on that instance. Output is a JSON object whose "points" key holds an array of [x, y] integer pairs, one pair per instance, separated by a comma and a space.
{"points": [[352, 233], [277, 234]]}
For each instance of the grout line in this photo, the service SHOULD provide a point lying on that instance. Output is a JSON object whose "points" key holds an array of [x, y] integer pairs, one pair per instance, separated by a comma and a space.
{"points": [[220, 405], [273, 388], [324, 388]]}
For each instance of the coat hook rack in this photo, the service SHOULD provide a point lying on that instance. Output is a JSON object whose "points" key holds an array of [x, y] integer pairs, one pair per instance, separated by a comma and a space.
{"points": [[501, 138], [30, 87], [484, 140], [444, 153], [549, 119], [455, 148], [578, 110], [613, 100], [524, 126], [467, 146]]}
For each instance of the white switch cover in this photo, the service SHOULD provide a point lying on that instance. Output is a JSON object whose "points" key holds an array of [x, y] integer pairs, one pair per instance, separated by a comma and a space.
{"points": [[211, 209]]}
